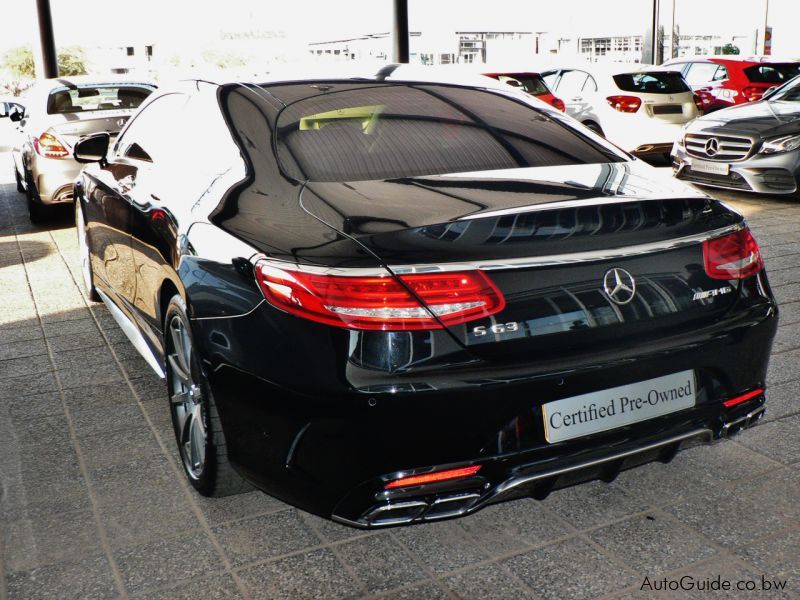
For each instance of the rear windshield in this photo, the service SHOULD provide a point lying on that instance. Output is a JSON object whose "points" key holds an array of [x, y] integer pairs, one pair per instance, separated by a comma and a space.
{"points": [[654, 82], [96, 97], [772, 73], [390, 131], [527, 82]]}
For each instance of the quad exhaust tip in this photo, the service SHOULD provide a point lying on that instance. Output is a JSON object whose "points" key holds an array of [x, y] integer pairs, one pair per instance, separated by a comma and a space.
{"points": [[731, 428]]}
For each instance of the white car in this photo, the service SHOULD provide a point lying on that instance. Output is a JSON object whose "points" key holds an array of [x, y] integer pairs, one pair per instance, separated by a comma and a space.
{"points": [[642, 109]]}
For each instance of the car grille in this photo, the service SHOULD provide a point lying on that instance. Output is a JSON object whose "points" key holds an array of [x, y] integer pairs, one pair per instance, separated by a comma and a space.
{"points": [[728, 148]]}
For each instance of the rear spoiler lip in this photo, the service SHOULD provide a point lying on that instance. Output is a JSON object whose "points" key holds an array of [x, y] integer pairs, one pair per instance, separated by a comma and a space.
{"points": [[511, 263], [579, 203]]}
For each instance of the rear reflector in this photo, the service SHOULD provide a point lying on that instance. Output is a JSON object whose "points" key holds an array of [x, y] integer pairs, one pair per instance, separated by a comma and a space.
{"points": [[752, 93], [433, 477], [625, 104], [733, 256], [382, 303], [743, 398], [559, 104]]}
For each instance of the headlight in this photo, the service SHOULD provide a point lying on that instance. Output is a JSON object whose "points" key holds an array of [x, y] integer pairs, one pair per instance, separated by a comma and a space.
{"points": [[784, 143]]}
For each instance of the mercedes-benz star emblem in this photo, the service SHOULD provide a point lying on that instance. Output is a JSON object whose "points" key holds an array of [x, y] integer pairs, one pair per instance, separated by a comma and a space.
{"points": [[712, 146], [619, 286]]}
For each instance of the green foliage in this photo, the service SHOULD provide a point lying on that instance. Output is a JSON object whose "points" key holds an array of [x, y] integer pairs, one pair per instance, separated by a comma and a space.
{"points": [[19, 62], [730, 49], [71, 61]]}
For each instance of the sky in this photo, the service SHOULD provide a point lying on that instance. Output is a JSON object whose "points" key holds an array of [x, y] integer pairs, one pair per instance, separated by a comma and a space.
{"points": [[117, 22]]}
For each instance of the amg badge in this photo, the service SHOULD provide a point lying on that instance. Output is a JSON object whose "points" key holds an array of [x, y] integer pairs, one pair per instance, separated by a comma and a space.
{"points": [[702, 295]]}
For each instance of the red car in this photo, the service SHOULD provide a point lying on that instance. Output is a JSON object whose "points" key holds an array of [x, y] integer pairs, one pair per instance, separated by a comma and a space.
{"points": [[531, 83], [722, 81]]}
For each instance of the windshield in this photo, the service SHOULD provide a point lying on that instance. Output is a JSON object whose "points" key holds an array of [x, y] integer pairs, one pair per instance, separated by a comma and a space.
{"points": [[653, 82], [789, 93], [84, 98], [387, 131], [774, 73]]}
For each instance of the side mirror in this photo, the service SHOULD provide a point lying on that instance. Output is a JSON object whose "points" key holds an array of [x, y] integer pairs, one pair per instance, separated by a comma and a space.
{"points": [[92, 148], [16, 116]]}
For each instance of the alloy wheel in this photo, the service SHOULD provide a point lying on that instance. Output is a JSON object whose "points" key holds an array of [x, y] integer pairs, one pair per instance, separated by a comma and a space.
{"points": [[186, 396]]}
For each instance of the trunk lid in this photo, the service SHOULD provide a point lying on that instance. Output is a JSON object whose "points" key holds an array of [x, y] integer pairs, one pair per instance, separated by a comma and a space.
{"points": [[550, 239], [71, 127]]}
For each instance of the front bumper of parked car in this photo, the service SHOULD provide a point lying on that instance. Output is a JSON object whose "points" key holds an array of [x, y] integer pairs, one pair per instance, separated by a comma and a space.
{"points": [[761, 173]]}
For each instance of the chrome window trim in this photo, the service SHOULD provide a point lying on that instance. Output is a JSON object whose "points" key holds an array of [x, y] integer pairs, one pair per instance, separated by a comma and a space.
{"points": [[511, 263]]}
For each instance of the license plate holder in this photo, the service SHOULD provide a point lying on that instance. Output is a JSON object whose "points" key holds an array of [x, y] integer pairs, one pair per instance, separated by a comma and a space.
{"points": [[582, 415], [712, 168]]}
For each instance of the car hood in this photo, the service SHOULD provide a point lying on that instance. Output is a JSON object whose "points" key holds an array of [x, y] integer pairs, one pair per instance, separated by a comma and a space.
{"points": [[756, 118]]}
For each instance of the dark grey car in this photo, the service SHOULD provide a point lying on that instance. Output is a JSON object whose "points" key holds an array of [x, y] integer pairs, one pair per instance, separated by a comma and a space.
{"points": [[750, 147]]}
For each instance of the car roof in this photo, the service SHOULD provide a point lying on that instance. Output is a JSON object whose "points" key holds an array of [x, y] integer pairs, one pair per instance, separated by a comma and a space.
{"points": [[732, 58]]}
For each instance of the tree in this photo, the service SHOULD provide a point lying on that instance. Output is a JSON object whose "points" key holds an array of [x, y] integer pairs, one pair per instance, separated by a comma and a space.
{"points": [[19, 62], [730, 49]]}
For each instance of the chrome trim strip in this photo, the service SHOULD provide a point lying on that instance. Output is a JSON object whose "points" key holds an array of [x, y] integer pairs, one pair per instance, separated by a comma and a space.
{"points": [[133, 334], [514, 483], [511, 263]]}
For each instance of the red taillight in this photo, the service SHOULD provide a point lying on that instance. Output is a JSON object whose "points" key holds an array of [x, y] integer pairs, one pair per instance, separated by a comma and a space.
{"points": [[626, 104], [381, 303], [433, 477], [733, 256], [698, 102], [752, 93], [743, 398], [49, 146], [559, 104]]}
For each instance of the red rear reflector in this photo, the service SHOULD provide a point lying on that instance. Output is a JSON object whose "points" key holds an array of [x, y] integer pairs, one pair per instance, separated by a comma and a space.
{"points": [[733, 256], [433, 477], [559, 104], [49, 146], [743, 398], [382, 303], [626, 104]]}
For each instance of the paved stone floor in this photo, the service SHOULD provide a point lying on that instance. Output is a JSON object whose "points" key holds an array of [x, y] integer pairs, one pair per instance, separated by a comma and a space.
{"points": [[93, 504]]}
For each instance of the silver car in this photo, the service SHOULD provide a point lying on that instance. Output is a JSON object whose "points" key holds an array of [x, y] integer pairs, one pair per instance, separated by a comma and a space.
{"points": [[749, 147], [56, 114]]}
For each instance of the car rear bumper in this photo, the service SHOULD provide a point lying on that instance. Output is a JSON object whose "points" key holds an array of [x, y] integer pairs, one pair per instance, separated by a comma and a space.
{"points": [[54, 178], [333, 453]]}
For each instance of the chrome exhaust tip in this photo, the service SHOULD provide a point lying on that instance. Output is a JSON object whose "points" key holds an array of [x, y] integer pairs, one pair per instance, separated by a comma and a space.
{"points": [[731, 428]]}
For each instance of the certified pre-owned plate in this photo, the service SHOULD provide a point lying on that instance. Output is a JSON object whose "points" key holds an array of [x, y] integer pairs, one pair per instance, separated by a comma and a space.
{"points": [[714, 168], [599, 411]]}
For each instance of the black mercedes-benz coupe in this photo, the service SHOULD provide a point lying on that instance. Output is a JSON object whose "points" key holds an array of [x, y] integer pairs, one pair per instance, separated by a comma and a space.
{"points": [[390, 299]]}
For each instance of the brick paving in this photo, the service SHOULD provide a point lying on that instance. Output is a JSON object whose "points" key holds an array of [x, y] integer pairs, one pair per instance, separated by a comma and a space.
{"points": [[93, 503]]}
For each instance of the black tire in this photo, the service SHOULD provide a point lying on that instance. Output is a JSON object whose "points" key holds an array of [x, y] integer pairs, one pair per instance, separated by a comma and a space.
{"points": [[215, 476], [18, 179], [85, 252], [36, 210]]}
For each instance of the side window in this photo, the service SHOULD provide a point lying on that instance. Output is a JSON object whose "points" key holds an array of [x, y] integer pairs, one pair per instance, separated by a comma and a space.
{"points": [[590, 85], [721, 74], [572, 82], [701, 73], [147, 138], [551, 78]]}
